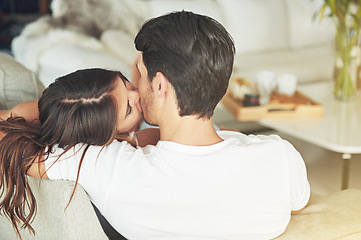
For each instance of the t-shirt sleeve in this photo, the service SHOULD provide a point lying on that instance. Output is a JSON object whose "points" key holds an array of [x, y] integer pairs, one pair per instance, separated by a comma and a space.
{"points": [[299, 186], [63, 165], [97, 170]]}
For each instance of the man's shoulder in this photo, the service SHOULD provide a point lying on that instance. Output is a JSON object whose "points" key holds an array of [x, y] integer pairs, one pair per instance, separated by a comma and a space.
{"points": [[248, 139]]}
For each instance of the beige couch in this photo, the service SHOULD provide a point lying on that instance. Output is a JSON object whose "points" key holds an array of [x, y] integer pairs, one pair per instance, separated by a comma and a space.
{"points": [[53, 221], [17, 84], [336, 216]]}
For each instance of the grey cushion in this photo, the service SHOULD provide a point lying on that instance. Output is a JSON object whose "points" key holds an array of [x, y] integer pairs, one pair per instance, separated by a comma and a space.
{"points": [[53, 220], [17, 84]]}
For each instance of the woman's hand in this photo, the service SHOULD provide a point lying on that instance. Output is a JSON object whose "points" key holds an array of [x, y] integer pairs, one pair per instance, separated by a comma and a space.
{"points": [[27, 110], [5, 114]]}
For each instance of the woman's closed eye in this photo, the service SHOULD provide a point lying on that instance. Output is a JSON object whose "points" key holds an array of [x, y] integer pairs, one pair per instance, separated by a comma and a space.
{"points": [[129, 108]]}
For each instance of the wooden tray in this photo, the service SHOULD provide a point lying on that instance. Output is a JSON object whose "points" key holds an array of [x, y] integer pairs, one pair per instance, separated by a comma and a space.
{"points": [[280, 107]]}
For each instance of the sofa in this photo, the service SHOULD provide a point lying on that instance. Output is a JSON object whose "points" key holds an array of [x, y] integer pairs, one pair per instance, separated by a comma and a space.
{"points": [[17, 84], [336, 216], [53, 219], [275, 35], [305, 50]]}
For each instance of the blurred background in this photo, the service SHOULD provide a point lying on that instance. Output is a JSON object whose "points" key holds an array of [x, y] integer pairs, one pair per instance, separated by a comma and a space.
{"points": [[15, 14]]}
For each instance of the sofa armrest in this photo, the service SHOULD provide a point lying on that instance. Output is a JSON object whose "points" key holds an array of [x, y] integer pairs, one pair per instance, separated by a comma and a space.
{"points": [[53, 220], [336, 216], [17, 84]]}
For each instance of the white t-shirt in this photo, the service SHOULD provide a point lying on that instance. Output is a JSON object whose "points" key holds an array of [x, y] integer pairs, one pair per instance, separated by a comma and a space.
{"points": [[244, 187]]}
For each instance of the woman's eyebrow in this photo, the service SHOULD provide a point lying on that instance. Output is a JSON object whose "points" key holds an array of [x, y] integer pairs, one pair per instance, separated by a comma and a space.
{"points": [[124, 81]]}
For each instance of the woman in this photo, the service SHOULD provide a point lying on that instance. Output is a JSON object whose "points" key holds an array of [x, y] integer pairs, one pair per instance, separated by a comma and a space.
{"points": [[91, 107]]}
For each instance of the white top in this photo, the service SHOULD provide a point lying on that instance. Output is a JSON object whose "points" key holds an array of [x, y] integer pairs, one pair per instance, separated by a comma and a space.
{"points": [[242, 188]]}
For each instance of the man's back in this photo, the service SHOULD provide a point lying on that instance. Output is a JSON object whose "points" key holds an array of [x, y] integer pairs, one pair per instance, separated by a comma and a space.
{"points": [[242, 188]]}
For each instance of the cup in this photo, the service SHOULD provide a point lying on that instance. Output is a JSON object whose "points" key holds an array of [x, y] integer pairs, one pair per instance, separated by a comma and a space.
{"points": [[251, 99], [265, 84], [287, 84]]}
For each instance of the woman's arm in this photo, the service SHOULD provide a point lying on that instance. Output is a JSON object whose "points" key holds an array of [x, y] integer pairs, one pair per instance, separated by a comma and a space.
{"points": [[148, 136], [37, 169], [28, 110]]}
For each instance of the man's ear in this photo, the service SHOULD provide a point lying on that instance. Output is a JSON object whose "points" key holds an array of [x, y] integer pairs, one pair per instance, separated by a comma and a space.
{"points": [[161, 84]]}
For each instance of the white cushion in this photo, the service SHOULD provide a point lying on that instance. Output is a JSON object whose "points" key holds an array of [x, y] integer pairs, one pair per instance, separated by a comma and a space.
{"points": [[310, 64], [29, 48], [205, 7], [120, 44], [256, 26], [303, 31], [66, 58]]}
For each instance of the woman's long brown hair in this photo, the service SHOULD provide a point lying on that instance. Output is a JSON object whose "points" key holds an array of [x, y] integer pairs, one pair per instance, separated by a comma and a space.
{"points": [[18, 152], [76, 108]]}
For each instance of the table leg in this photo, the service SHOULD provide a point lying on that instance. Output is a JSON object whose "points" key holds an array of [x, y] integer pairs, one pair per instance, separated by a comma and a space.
{"points": [[345, 170]]}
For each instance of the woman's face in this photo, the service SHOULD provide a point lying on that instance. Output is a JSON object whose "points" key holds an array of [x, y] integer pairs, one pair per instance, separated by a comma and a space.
{"points": [[129, 110]]}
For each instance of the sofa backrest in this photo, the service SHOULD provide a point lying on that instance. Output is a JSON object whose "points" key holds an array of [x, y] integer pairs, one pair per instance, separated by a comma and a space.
{"points": [[259, 25], [17, 84]]}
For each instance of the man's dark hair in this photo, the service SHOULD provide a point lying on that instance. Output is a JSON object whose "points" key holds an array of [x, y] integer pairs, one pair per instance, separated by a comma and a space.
{"points": [[194, 52]]}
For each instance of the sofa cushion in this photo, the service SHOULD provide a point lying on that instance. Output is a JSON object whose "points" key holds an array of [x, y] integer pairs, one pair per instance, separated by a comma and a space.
{"points": [[336, 216], [308, 64], [256, 26], [120, 44], [56, 220], [159, 7], [305, 32], [68, 57], [17, 84]]}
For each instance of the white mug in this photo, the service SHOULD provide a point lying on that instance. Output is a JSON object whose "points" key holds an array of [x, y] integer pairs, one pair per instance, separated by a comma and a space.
{"points": [[287, 84], [266, 84]]}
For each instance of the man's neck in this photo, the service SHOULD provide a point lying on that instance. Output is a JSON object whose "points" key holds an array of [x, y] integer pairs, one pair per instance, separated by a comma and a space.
{"points": [[189, 130]]}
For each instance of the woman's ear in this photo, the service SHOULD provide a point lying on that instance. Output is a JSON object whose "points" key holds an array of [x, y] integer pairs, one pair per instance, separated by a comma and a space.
{"points": [[161, 84]]}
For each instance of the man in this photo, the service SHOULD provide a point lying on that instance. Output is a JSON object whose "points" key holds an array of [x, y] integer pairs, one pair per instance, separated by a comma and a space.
{"points": [[206, 185], [196, 183]]}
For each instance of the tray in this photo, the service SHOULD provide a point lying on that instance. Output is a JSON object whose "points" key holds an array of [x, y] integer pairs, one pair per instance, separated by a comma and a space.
{"points": [[280, 107]]}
